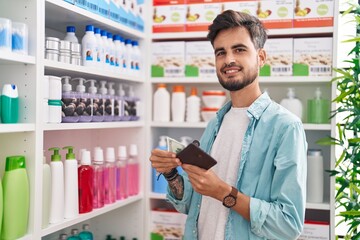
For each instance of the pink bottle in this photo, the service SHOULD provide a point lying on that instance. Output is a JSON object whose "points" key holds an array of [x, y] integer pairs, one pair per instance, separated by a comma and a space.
{"points": [[110, 176], [133, 171], [99, 190], [121, 174], [85, 180]]}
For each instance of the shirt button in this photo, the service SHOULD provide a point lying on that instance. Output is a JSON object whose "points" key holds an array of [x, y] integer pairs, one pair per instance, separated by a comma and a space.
{"points": [[198, 205]]}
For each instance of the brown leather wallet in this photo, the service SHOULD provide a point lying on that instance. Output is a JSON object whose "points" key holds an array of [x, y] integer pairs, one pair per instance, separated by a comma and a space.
{"points": [[194, 155]]}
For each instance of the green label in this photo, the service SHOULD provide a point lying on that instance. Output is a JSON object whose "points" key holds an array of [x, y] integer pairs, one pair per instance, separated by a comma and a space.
{"points": [[265, 70], [282, 12], [300, 69], [322, 9], [157, 71], [191, 71]]}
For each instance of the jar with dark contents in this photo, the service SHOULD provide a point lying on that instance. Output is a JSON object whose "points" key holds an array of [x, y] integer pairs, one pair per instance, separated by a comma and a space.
{"points": [[69, 104], [131, 105], [118, 108], [97, 108]]}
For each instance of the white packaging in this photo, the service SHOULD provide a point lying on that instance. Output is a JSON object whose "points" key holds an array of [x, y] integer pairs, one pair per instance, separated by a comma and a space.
{"points": [[169, 17], [275, 14], [5, 35], [88, 44], [46, 87], [315, 13], [199, 16], [136, 58], [200, 59], [57, 192], [128, 57], [71, 200], [111, 51], [161, 104], [54, 88], [178, 103], [168, 59], [314, 230], [117, 55], [167, 225], [315, 176], [193, 103], [292, 103], [99, 48], [106, 56], [20, 38], [54, 107]]}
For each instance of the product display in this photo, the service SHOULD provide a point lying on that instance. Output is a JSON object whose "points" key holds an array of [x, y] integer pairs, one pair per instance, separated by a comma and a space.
{"points": [[71, 200], [57, 187]]}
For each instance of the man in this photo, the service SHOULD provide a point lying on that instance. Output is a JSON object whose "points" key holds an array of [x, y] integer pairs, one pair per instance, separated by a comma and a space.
{"points": [[257, 189]]}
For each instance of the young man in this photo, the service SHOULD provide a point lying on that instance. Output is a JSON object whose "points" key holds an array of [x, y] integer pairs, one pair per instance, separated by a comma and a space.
{"points": [[257, 189]]}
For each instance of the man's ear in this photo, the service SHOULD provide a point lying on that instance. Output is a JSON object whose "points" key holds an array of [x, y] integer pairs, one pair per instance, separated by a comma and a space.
{"points": [[262, 57]]}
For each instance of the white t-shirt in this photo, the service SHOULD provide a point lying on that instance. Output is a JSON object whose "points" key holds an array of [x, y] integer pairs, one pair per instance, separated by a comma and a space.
{"points": [[226, 150]]}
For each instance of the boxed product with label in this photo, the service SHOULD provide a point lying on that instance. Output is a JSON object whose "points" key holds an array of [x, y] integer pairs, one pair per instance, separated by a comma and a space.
{"points": [[275, 13], [312, 56], [167, 225], [169, 16], [315, 231], [168, 59], [248, 6], [199, 59], [92, 6], [200, 14], [80, 3], [140, 20], [279, 57], [315, 13], [132, 13], [104, 8], [114, 10]]}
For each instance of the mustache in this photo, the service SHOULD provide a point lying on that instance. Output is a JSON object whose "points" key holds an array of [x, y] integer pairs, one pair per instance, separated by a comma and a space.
{"points": [[232, 64]]}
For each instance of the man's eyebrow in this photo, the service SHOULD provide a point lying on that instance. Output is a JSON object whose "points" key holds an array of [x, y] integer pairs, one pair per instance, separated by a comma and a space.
{"points": [[232, 47]]}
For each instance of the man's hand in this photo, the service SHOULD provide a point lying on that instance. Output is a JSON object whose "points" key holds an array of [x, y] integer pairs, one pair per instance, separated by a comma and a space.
{"points": [[163, 161]]}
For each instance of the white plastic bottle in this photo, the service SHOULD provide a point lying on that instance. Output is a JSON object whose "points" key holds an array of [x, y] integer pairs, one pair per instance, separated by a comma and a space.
{"points": [[193, 103], [70, 34], [161, 104], [57, 187], [71, 202], [99, 48], [127, 55], [122, 59], [315, 176], [136, 58], [111, 50], [117, 54], [292, 103], [106, 62], [88, 44], [46, 191], [178, 103]]}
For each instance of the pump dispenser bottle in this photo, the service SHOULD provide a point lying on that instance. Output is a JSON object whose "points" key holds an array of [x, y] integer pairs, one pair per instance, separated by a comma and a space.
{"points": [[46, 194], [97, 102], [71, 204], [121, 174], [106, 98], [318, 109], [70, 102], [57, 187], [133, 171], [159, 183], [292, 103], [98, 181], [119, 104], [132, 105], [83, 109], [110, 107], [110, 176], [86, 184]]}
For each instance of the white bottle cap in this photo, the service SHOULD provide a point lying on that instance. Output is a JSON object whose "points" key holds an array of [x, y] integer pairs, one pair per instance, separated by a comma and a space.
{"points": [[110, 154], [92, 89], [291, 93], [111, 90], [80, 87], [103, 90], [122, 152], [81, 151], [162, 142], [121, 91], [133, 150], [98, 155], [85, 158], [131, 91]]}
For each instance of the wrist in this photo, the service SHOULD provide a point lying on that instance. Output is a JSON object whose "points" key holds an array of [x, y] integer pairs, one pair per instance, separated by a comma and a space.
{"points": [[169, 176]]}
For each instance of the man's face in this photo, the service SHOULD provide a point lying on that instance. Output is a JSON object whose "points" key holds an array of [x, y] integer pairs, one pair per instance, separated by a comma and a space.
{"points": [[237, 60]]}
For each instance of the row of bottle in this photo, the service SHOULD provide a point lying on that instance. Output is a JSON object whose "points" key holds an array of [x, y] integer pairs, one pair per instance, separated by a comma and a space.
{"points": [[71, 188], [85, 234]]}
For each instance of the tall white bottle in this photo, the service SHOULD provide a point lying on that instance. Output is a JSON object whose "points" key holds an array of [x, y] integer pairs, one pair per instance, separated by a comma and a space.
{"points": [[136, 58], [71, 202], [161, 104], [88, 44], [57, 187], [117, 53], [127, 56], [106, 62], [99, 48], [292, 103], [46, 191], [111, 50], [178, 103], [70, 34], [193, 103]]}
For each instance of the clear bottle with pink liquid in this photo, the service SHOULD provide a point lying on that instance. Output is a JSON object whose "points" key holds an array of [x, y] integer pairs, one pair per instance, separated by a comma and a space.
{"points": [[121, 174], [99, 190], [133, 171], [110, 176]]}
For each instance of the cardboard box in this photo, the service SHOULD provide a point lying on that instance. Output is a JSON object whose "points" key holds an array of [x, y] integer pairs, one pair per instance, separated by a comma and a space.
{"points": [[104, 8], [168, 59], [315, 13], [200, 14], [140, 18], [167, 225], [279, 57], [132, 13], [275, 13], [80, 3], [199, 59], [114, 10], [312, 57], [315, 231], [168, 16], [248, 6]]}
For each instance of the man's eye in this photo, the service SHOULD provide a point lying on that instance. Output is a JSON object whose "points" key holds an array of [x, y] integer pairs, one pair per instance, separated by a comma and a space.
{"points": [[219, 54], [239, 49]]}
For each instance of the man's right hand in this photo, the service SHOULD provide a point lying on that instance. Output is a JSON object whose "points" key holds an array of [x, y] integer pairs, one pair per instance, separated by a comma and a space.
{"points": [[163, 161]]}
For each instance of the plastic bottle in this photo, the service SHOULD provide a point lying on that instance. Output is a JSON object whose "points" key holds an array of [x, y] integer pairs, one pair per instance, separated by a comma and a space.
{"points": [[159, 183], [123, 60], [99, 48], [9, 104], [74, 235], [106, 99], [46, 194], [315, 176], [292, 104], [63, 236], [70, 34], [84, 107], [136, 58], [132, 105], [96, 102], [110, 176], [193, 104], [16, 198], [318, 109], [85, 234], [121, 174], [128, 57], [119, 104], [111, 50], [161, 104], [88, 44], [178, 103], [71, 203], [70, 102], [57, 187], [86, 184], [110, 106], [99, 190], [133, 171], [117, 53], [106, 50]]}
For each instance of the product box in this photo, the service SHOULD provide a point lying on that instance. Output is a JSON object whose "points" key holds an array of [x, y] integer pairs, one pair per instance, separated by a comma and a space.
{"points": [[132, 14], [70, 1], [279, 57], [104, 8], [275, 13], [315, 231], [168, 59], [248, 6], [199, 59], [140, 18], [80, 3], [312, 56], [92, 6], [315, 13], [167, 225], [200, 14], [168, 16], [114, 10]]}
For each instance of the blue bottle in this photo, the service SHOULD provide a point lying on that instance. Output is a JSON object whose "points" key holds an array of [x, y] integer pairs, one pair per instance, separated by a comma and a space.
{"points": [[86, 234], [159, 183]]}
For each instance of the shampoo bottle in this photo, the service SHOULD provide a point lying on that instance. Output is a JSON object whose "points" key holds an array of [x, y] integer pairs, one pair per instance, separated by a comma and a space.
{"points": [[318, 109], [106, 98], [57, 187], [110, 176], [71, 204], [159, 183], [85, 234], [121, 174], [86, 184], [133, 171], [9, 104], [132, 105], [16, 198], [292, 103], [98, 181], [84, 107], [70, 102], [97, 102], [88, 44], [119, 104], [46, 197]]}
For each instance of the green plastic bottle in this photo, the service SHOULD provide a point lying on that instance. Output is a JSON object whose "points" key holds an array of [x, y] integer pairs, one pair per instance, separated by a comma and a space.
{"points": [[16, 198], [9, 104], [318, 109]]}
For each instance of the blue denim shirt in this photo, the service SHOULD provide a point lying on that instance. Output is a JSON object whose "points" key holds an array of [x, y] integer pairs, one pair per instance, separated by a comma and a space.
{"points": [[272, 171]]}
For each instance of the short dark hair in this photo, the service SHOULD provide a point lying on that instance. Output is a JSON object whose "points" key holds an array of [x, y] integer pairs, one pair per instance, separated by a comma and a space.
{"points": [[230, 19]]}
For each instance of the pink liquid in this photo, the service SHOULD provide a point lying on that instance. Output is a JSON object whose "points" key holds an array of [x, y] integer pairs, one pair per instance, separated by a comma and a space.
{"points": [[133, 179], [110, 183], [99, 190], [85, 181], [121, 185]]}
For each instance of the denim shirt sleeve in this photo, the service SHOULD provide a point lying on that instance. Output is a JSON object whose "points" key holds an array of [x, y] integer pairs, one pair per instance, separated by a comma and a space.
{"points": [[182, 205], [283, 217]]}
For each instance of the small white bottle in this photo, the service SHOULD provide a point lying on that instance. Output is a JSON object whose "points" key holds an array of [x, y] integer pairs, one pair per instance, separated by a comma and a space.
{"points": [[127, 55], [292, 103], [136, 58], [99, 48], [315, 176], [111, 50], [161, 104], [122, 59], [106, 62], [46, 191], [88, 44], [57, 187], [71, 203], [178, 103], [70, 34], [193, 103], [117, 53]]}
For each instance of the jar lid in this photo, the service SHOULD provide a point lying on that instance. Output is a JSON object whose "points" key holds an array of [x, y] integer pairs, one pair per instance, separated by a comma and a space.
{"points": [[314, 152], [213, 92], [207, 109]]}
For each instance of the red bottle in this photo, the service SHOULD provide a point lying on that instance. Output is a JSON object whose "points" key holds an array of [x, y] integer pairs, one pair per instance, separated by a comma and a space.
{"points": [[85, 181]]}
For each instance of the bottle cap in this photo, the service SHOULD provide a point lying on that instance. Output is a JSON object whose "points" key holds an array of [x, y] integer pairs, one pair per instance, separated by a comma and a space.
{"points": [[131, 91], [291, 93], [74, 231], [128, 41], [97, 30], [10, 90], [70, 155], [92, 89], [122, 155], [121, 91], [80, 87], [318, 93], [162, 142], [14, 162], [70, 29], [98, 155], [133, 150], [89, 28], [103, 33], [66, 87], [109, 35], [161, 85], [110, 154], [55, 156], [85, 158], [86, 226], [193, 91], [314, 152], [103, 90], [111, 90], [178, 88]]}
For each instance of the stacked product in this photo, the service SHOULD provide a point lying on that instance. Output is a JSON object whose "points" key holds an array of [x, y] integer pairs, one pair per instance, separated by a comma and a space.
{"points": [[213, 101]]}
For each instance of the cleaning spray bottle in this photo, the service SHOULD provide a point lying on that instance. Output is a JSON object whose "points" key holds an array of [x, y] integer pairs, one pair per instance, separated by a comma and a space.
{"points": [[318, 109], [97, 102], [159, 183], [71, 204], [57, 187], [84, 107], [70, 101], [292, 103]]}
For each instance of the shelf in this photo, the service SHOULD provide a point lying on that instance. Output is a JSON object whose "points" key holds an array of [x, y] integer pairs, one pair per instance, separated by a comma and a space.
{"points": [[17, 127], [65, 69], [91, 125], [318, 127], [179, 124], [271, 32], [11, 58], [83, 217], [59, 14], [318, 206], [157, 195]]}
